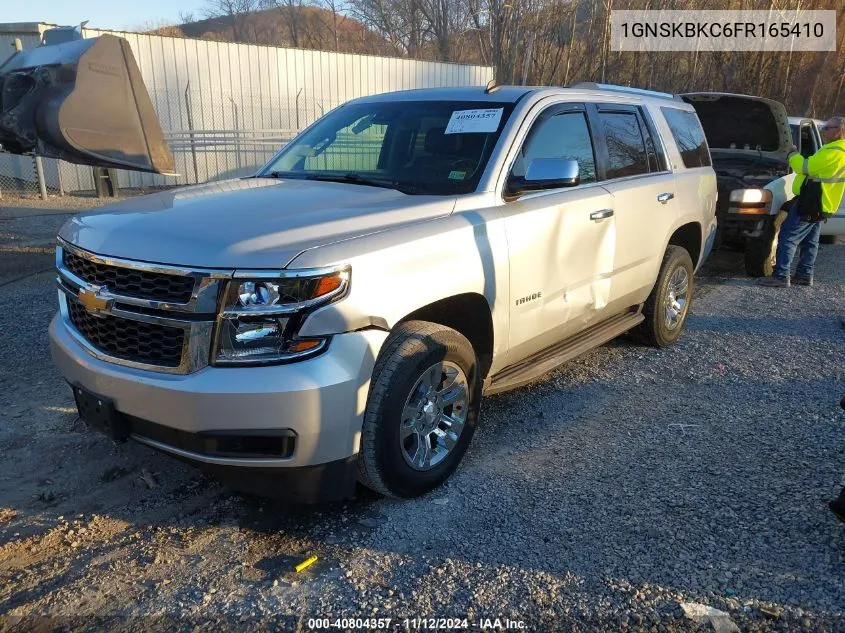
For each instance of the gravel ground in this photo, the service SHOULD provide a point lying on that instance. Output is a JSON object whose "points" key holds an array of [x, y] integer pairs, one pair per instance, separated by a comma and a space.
{"points": [[79, 201], [599, 498]]}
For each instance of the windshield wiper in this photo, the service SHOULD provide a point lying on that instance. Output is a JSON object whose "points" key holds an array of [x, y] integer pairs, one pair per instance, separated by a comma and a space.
{"points": [[283, 174], [356, 179], [351, 178]]}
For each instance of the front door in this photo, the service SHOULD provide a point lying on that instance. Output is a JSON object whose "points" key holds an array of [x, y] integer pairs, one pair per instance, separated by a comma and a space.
{"points": [[561, 242]]}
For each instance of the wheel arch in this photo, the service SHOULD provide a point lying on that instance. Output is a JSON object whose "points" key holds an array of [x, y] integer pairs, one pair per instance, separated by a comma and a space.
{"points": [[689, 236], [468, 313]]}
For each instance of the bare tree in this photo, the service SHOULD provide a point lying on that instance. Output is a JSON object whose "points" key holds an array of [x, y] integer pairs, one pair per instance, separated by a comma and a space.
{"points": [[237, 12], [445, 20], [337, 10], [605, 42], [544, 41], [400, 22], [292, 16]]}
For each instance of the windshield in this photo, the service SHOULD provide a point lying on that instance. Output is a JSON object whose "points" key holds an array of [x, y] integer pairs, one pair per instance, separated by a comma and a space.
{"points": [[418, 147]]}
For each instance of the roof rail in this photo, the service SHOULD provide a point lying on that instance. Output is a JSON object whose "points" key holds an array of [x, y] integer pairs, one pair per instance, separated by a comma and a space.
{"points": [[637, 91]]}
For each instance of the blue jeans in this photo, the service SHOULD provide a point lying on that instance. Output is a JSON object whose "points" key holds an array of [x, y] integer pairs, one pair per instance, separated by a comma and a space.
{"points": [[794, 233]]}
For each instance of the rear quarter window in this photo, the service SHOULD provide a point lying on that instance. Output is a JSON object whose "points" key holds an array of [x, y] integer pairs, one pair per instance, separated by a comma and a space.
{"points": [[689, 137]]}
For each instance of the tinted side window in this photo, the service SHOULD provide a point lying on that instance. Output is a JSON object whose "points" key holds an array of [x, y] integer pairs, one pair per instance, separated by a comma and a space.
{"points": [[564, 135], [689, 136], [625, 144], [807, 148], [808, 141]]}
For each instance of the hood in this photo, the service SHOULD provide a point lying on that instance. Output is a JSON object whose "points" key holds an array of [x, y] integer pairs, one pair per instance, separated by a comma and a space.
{"points": [[743, 123], [248, 223]]}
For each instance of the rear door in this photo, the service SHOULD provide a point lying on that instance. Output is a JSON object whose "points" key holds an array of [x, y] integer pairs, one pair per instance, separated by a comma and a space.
{"points": [[634, 170], [695, 180]]}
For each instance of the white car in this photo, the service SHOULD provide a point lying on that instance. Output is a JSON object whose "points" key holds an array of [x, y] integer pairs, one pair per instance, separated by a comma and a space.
{"points": [[811, 141]]}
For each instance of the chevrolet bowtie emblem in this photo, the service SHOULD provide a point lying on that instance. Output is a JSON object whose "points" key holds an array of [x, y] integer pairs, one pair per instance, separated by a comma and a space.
{"points": [[93, 301]]}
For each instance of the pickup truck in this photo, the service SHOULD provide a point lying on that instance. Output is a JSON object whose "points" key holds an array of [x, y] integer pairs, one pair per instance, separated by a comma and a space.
{"points": [[749, 139], [338, 316]]}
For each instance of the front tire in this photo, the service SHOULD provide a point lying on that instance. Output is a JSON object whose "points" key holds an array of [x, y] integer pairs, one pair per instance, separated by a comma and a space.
{"points": [[422, 408], [667, 306]]}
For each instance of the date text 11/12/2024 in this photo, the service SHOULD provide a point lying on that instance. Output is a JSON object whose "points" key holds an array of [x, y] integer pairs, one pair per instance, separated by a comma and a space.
{"points": [[416, 624]]}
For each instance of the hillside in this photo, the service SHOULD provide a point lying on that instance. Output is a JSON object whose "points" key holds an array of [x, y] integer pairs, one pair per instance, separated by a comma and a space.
{"points": [[295, 27]]}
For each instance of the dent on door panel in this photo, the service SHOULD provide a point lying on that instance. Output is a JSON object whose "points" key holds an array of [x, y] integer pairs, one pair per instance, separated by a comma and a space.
{"points": [[561, 263]]}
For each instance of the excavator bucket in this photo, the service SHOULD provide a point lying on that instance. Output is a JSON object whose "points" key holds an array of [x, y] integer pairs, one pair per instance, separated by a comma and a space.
{"points": [[82, 101]]}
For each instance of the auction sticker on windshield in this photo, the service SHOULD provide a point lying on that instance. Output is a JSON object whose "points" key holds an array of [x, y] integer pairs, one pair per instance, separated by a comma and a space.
{"points": [[474, 121]]}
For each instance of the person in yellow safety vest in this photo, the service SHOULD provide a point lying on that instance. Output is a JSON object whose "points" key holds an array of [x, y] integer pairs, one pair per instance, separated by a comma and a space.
{"points": [[827, 167]]}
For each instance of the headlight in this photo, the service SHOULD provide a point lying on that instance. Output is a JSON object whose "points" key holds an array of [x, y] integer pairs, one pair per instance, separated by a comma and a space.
{"points": [[260, 317], [751, 196]]}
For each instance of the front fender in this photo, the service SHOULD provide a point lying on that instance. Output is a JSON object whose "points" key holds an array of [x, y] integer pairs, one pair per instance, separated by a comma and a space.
{"points": [[781, 189], [398, 272]]}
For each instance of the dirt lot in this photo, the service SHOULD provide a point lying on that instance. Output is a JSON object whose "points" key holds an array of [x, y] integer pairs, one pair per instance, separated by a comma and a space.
{"points": [[600, 498]]}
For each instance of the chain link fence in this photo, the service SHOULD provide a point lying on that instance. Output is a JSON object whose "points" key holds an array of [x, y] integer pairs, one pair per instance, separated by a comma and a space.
{"points": [[18, 176]]}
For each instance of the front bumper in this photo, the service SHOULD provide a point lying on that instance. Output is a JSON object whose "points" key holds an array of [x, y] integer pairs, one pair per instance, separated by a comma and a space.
{"points": [[321, 400], [737, 226]]}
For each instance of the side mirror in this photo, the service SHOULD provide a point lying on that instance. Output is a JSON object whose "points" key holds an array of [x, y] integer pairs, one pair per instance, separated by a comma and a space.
{"points": [[807, 124], [546, 173]]}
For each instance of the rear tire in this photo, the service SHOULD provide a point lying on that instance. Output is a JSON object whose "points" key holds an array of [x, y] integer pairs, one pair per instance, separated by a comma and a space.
{"points": [[400, 420], [667, 306]]}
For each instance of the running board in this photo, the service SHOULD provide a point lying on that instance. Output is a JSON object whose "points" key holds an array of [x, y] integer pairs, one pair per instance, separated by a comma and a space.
{"points": [[546, 360]]}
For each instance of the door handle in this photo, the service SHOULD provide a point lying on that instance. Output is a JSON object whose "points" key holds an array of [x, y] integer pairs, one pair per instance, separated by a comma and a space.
{"points": [[665, 197], [601, 215]]}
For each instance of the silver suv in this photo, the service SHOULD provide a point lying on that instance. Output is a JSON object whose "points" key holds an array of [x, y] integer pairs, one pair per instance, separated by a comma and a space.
{"points": [[338, 316]]}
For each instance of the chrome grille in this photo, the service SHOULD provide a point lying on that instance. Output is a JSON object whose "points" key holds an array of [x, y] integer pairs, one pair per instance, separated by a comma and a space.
{"points": [[141, 315], [131, 282], [129, 340]]}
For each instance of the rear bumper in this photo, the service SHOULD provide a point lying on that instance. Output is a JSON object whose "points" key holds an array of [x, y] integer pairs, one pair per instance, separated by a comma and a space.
{"points": [[320, 401]]}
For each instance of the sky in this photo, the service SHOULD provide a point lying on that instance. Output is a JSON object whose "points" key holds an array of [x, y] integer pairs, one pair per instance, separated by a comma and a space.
{"points": [[125, 15]]}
